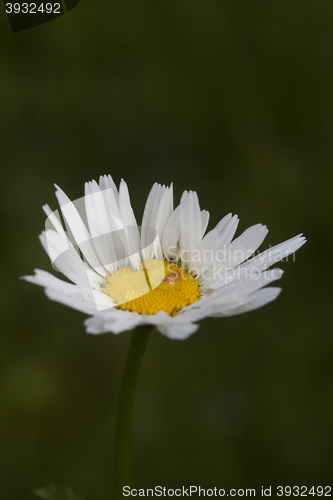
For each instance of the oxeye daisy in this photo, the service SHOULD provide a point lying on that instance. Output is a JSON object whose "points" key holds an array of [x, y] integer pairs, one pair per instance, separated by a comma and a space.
{"points": [[168, 273]]}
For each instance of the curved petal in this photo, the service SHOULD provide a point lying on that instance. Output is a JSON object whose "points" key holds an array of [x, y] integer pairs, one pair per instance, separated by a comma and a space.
{"points": [[177, 330], [99, 226], [253, 301], [171, 236], [78, 229], [190, 223]]}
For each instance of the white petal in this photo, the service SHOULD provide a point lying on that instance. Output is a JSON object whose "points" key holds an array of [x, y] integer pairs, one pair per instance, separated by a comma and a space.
{"points": [[244, 246], [74, 302], [204, 221], [190, 315], [164, 211], [118, 246], [250, 239], [254, 301], [53, 217], [111, 198], [171, 236], [125, 208], [190, 223], [80, 298], [55, 244], [158, 209], [207, 247], [116, 322], [239, 288], [204, 257], [96, 211], [151, 207], [131, 227], [45, 279], [106, 183], [275, 254], [65, 258], [88, 294], [177, 330], [227, 228], [99, 226], [78, 229], [223, 222]]}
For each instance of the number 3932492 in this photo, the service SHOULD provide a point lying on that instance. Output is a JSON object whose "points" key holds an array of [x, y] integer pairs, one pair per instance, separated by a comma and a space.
{"points": [[303, 491], [33, 8]]}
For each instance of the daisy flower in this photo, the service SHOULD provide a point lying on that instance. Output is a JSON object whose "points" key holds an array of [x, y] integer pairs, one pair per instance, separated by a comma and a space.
{"points": [[168, 273]]}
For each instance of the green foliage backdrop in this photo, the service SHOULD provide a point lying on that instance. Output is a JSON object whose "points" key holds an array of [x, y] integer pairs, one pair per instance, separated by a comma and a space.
{"points": [[233, 99]]}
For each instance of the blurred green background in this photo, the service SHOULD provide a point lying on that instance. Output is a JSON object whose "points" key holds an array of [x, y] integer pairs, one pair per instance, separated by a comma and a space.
{"points": [[233, 99]]}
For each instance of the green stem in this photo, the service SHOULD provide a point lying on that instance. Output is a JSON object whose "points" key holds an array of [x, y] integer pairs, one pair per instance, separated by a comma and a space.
{"points": [[122, 470]]}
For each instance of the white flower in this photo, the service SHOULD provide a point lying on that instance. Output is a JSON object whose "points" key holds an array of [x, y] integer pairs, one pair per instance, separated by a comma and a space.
{"points": [[169, 273]]}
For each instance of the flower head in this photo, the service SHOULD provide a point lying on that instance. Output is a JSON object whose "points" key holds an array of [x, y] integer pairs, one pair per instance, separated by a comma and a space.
{"points": [[168, 272]]}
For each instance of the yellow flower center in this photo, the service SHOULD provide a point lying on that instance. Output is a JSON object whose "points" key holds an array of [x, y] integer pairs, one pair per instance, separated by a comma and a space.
{"points": [[157, 286]]}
